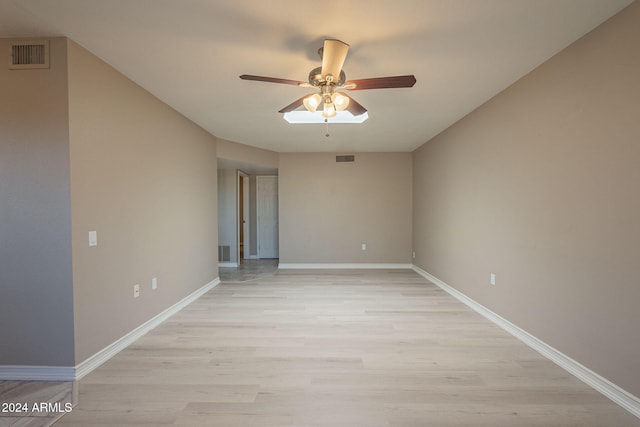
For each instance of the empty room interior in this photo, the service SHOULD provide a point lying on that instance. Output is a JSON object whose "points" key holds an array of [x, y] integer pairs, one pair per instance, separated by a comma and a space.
{"points": [[320, 214]]}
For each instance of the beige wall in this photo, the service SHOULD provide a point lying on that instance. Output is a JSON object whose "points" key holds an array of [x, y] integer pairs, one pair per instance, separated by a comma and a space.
{"points": [[540, 186], [144, 177], [36, 297], [246, 154], [328, 209], [84, 148]]}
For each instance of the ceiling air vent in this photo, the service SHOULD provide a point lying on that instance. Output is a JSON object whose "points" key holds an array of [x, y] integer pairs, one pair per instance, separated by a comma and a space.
{"points": [[342, 159], [29, 54]]}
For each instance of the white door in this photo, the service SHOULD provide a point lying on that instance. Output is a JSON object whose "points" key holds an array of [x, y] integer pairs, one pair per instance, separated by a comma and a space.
{"points": [[267, 201]]}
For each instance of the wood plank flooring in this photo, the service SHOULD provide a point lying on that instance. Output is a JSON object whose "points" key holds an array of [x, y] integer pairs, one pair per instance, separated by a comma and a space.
{"points": [[334, 348], [34, 403], [249, 269]]}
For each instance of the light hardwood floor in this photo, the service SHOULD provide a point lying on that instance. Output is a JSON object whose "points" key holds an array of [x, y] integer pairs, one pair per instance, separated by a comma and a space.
{"points": [[249, 269], [43, 402], [334, 348]]}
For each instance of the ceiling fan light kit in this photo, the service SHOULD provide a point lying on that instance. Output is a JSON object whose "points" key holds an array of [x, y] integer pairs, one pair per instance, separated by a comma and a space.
{"points": [[312, 102], [333, 54], [331, 101]]}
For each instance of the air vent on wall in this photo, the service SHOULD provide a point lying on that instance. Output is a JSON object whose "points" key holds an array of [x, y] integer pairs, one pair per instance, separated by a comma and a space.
{"points": [[342, 159], [29, 54]]}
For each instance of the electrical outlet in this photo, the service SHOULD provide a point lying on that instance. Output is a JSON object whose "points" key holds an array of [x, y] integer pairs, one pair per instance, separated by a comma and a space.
{"points": [[492, 279], [136, 291], [154, 283], [364, 246], [414, 254]]}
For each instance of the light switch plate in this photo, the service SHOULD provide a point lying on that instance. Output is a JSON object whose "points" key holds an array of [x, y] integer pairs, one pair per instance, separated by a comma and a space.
{"points": [[93, 238]]}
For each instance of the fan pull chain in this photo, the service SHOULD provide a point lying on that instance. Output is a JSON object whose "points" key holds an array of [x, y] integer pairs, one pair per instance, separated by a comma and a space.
{"points": [[327, 131]]}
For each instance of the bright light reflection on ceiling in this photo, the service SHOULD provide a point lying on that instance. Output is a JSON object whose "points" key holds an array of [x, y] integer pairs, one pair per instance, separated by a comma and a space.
{"points": [[303, 117]]}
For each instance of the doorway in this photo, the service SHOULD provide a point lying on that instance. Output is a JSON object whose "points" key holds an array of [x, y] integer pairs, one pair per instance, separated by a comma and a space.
{"points": [[243, 217]]}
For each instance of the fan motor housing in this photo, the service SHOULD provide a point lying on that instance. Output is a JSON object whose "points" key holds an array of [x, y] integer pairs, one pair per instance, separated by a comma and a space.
{"points": [[315, 78]]}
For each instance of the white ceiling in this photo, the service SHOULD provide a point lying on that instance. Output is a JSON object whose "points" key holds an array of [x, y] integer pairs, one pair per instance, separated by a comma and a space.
{"points": [[189, 53]]}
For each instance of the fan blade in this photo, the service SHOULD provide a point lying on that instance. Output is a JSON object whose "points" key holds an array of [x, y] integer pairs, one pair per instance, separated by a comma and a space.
{"points": [[381, 82], [295, 104], [355, 108], [271, 80], [334, 53]]}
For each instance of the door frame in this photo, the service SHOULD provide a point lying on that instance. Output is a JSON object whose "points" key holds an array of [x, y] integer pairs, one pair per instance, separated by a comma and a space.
{"points": [[242, 205]]}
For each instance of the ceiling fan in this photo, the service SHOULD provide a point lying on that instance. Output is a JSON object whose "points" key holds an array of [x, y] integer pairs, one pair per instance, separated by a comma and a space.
{"points": [[329, 79]]}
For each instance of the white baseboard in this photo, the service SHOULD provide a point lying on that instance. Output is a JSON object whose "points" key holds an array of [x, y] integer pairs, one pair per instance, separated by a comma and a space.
{"points": [[227, 264], [37, 373], [620, 396], [341, 266], [70, 373], [111, 350]]}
